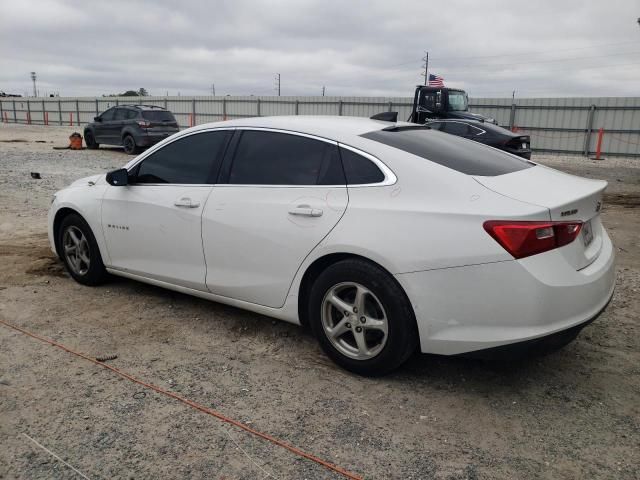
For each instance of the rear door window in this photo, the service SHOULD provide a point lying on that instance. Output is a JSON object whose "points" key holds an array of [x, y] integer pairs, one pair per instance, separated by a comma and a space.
{"points": [[121, 113], [194, 159], [451, 151], [271, 158]]}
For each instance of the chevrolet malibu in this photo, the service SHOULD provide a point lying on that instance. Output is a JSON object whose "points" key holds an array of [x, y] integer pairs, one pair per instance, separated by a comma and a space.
{"points": [[382, 237]]}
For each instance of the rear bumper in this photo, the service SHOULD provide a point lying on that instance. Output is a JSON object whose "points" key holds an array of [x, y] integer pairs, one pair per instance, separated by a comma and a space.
{"points": [[479, 307]]}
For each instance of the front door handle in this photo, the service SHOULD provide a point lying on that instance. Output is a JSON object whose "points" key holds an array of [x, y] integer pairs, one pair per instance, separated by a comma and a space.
{"points": [[186, 202], [305, 211]]}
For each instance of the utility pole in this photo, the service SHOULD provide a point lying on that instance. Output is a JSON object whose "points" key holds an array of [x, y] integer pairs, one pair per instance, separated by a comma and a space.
{"points": [[323, 90], [513, 95], [278, 83], [213, 89], [33, 78], [425, 59]]}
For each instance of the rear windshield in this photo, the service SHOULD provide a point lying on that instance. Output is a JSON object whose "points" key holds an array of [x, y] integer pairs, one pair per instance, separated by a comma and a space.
{"points": [[457, 153], [158, 116]]}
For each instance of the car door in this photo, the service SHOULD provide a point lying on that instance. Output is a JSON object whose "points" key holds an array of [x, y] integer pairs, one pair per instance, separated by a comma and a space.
{"points": [[115, 126], [282, 193], [101, 128], [152, 226]]}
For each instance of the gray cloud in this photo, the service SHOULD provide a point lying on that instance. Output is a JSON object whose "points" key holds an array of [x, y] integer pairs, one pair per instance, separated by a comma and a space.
{"points": [[353, 47]]}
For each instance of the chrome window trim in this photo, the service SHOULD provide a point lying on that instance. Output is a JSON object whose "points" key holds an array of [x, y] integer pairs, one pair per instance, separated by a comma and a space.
{"points": [[389, 177]]}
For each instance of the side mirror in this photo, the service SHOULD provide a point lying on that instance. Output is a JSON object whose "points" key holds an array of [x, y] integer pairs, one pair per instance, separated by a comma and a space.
{"points": [[118, 178], [97, 119]]}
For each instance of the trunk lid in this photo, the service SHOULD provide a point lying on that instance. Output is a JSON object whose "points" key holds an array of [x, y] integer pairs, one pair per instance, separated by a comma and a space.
{"points": [[567, 197]]}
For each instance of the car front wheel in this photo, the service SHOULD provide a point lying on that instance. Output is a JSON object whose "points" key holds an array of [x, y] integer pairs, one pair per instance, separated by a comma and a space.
{"points": [[90, 140], [362, 318], [79, 251]]}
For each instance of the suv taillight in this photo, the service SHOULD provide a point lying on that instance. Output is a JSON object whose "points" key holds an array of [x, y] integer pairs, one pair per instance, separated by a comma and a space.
{"points": [[523, 238], [143, 123]]}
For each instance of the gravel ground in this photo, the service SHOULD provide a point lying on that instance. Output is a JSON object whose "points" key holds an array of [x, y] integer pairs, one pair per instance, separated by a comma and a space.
{"points": [[572, 414]]}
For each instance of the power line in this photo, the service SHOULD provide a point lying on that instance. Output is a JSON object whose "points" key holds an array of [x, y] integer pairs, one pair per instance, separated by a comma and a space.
{"points": [[515, 54]]}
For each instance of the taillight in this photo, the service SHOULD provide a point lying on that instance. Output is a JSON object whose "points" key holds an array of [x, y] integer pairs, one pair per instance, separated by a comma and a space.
{"points": [[524, 238], [143, 123]]}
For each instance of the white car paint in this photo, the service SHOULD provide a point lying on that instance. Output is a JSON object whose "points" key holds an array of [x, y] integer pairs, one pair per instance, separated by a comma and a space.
{"points": [[423, 224]]}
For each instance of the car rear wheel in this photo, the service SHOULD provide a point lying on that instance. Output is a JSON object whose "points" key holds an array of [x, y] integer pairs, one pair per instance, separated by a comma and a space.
{"points": [[129, 144], [90, 140], [362, 318], [79, 251]]}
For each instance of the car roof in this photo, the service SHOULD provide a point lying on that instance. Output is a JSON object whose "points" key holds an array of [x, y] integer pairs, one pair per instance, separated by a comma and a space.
{"points": [[339, 128]]}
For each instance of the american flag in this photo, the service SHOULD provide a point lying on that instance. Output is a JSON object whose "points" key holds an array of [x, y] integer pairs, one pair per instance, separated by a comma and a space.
{"points": [[435, 81]]}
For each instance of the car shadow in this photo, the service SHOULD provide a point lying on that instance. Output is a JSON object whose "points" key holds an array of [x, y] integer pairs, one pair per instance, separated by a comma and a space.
{"points": [[451, 373]]}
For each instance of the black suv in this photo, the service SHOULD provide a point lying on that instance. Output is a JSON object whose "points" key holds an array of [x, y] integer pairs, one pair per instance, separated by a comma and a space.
{"points": [[132, 126]]}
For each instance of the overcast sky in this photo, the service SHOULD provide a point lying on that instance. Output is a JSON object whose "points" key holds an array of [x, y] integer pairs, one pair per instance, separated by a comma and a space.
{"points": [[365, 48]]}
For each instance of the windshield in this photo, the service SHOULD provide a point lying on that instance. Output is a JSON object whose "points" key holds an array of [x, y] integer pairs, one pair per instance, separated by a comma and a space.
{"points": [[458, 101], [158, 116]]}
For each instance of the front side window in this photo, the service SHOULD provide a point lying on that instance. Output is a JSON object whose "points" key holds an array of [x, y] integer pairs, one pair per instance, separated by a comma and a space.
{"points": [[194, 159], [108, 115], [271, 158]]}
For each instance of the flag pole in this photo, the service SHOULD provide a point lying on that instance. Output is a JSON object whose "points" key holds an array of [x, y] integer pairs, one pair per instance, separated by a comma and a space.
{"points": [[426, 69]]}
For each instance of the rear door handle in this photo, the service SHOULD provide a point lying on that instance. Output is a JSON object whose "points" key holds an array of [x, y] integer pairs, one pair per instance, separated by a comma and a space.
{"points": [[186, 202], [306, 211]]}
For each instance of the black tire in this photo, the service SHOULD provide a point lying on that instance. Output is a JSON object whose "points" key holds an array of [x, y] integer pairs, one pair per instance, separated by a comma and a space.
{"points": [[402, 332], [95, 273], [129, 144], [90, 141]]}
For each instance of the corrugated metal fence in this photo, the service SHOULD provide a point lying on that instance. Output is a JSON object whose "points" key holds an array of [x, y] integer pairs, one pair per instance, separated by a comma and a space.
{"points": [[561, 125]]}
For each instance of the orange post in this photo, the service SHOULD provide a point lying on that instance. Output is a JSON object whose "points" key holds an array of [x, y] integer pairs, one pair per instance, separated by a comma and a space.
{"points": [[46, 118], [71, 119], [191, 119], [514, 128], [28, 118], [599, 143]]}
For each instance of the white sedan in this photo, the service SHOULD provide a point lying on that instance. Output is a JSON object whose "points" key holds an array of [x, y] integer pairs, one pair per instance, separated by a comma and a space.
{"points": [[382, 237]]}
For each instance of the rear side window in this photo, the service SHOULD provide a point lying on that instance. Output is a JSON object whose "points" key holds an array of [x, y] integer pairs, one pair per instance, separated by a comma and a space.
{"points": [[158, 116], [358, 169], [194, 159], [131, 114], [270, 158], [455, 128], [457, 153]]}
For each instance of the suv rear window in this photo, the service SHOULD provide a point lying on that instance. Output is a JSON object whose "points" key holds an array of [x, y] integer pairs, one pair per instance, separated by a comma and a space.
{"points": [[158, 116], [465, 156]]}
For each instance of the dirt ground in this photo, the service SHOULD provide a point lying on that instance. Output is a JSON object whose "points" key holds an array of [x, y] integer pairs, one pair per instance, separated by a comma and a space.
{"points": [[572, 414]]}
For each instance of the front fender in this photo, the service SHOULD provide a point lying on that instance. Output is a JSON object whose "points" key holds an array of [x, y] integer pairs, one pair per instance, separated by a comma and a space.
{"points": [[87, 202]]}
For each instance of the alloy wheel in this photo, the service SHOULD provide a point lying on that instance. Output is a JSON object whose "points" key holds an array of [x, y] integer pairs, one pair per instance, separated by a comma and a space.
{"points": [[76, 250], [354, 320]]}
